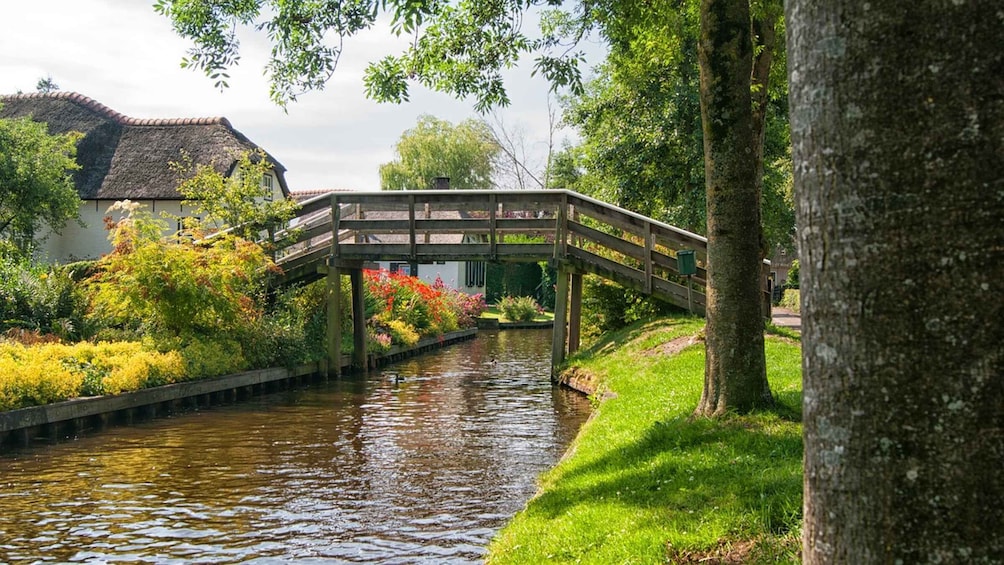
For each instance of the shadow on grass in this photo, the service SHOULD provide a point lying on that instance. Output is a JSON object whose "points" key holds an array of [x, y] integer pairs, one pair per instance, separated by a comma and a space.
{"points": [[780, 331], [612, 341], [744, 473], [788, 405]]}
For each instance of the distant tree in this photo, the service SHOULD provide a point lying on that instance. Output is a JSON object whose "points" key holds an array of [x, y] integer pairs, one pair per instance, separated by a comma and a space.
{"points": [[46, 85], [897, 121], [240, 201], [466, 153], [514, 168], [36, 186], [566, 169], [520, 164]]}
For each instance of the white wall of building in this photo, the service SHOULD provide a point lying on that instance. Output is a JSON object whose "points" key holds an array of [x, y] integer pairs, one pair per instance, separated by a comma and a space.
{"points": [[90, 241], [77, 242], [453, 274]]}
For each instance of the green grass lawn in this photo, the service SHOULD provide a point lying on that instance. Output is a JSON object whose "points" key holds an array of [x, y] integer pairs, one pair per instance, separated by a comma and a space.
{"points": [[644, 482], [493, 313]]}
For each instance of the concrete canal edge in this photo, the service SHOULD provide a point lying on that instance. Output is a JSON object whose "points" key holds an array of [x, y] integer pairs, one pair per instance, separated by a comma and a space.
{"points": [[52, 422]]}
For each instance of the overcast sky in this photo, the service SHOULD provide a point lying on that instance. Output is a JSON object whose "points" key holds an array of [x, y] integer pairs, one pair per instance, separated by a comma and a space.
{"points": [[124, 55]]}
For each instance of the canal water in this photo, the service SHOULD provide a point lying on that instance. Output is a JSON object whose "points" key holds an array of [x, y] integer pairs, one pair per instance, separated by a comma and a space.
{"points": [[421, 462]]}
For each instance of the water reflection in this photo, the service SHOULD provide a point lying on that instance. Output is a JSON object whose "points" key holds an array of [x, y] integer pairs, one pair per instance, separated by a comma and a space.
{"points": [[421, 462]]}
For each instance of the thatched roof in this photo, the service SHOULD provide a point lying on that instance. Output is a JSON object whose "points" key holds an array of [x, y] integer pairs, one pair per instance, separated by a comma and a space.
{"points": [[123, 157]]}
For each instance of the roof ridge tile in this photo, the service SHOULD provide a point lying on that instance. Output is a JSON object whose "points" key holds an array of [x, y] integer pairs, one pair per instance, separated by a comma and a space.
{"points": [[102, 110]]}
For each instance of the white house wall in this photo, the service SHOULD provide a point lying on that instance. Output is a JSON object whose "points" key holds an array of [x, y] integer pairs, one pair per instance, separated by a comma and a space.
{"points": [[76, 243], [453, 274]]}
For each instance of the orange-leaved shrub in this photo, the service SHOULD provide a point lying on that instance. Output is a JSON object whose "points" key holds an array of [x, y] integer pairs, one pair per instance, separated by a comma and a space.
{"points": [[175, 287]]}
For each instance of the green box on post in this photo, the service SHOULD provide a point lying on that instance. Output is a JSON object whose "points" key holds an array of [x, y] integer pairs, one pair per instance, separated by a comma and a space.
{"points": [[686, 262]]}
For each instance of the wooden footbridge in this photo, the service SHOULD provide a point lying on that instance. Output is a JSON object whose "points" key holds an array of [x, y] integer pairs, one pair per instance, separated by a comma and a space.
{"points": [[342, 233]]}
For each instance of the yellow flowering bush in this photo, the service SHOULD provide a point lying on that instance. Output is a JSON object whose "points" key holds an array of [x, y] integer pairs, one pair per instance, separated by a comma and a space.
{"points": [[47, 373], [213, 358], [35, 375], [402, 332], [145, 369]]}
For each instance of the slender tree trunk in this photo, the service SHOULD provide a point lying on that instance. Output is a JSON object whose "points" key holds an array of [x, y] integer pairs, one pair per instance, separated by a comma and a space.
{"points": [[735, 375], [897, 121], [765, 38]]}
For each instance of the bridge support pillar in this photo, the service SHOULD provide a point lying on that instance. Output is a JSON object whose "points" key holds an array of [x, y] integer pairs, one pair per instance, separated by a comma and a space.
{"points": [[560, 319], [358, 320], [575, 314], [334, 292]]}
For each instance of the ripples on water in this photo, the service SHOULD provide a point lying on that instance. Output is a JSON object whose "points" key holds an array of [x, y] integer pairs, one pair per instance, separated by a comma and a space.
{"points": [[421, 462]]}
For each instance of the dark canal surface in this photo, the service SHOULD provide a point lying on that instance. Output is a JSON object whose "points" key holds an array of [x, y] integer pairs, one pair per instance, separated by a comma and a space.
{"points": [[421, 462]]}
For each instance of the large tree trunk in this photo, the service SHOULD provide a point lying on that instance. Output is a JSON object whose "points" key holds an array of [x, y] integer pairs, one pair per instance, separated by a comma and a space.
{"points": [[897, 121], [735, 375]]}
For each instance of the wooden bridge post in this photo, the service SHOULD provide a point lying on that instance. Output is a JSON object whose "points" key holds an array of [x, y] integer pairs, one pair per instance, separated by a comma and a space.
{"points": [[358, 320], [334, 292], [334, 288], [412, 238], [767, 295], [560, 319], [575, 313]]}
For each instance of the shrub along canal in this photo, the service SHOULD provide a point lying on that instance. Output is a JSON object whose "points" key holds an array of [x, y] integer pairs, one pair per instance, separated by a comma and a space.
{"points": [[421, 461]]}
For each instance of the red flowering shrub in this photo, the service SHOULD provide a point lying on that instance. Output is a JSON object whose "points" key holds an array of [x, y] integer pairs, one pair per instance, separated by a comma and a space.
{"points": [[428, 310]]}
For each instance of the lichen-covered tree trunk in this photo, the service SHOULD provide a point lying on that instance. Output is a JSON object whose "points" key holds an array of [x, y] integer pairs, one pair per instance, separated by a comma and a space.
{"points": [[897, 121], [735, 375]]}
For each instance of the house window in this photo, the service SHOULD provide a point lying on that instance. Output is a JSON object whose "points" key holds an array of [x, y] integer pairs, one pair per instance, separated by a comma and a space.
{"points": [[184, 232], [475, 275], [403, 268], [266, 185]]}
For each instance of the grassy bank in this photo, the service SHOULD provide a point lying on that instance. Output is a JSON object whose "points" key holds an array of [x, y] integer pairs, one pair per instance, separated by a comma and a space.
{"points": [[492, 312], [645, 483]]}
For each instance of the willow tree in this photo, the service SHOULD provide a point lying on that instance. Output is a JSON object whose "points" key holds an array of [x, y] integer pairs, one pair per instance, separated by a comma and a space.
{"points": [[462, 48], [897, 120], [465, 153]]}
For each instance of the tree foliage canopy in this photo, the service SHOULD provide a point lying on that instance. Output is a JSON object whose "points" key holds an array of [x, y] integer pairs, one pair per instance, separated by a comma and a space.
{"points": [[640, 121], [307, 40], [36, 186], [239, 201], [466, 153]]}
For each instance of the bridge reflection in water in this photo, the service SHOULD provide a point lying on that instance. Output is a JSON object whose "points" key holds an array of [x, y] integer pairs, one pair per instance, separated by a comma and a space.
{"points": [[421, 462]]}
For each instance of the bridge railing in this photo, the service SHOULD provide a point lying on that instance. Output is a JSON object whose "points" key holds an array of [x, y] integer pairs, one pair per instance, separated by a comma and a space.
{"points": [[495, 225]]}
